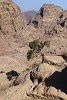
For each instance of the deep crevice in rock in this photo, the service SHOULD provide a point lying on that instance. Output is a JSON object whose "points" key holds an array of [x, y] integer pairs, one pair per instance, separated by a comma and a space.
{"points": [[41, 12], [39, 80], [62, 24]]}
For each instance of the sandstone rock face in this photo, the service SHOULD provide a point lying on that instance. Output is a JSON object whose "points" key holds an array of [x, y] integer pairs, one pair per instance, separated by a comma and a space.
{"points": [[50, 25], [49, 11], [11, 18], [44, 76], [12, 22], [38, 84], [49, 77]]}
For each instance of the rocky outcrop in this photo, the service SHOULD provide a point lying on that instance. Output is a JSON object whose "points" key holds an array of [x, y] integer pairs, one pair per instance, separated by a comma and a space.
{"points": [[48, 79], [11, 18], [44, 75], [12, 22], [44, 81], [50, 12], [50, 25]]}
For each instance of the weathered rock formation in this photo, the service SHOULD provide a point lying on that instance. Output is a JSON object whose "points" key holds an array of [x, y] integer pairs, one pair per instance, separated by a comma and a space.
{"points": [[12, 22], [33, 55], [50, 24], [50, 11], [11, 18]]}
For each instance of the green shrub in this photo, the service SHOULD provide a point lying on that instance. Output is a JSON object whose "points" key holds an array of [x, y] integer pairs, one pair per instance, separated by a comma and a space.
{"points": [[36, 45], [30, 54], [35, 48]]}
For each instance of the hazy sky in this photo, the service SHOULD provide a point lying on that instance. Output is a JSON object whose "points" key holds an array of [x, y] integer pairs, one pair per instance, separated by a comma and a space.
{"points": [[36, 4]]}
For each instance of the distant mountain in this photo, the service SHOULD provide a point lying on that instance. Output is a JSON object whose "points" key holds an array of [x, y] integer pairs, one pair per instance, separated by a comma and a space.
{"points": [[30, 14]]}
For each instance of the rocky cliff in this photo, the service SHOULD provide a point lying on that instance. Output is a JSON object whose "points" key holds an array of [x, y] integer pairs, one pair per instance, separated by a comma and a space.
{"points": [[33, 54], [51, 25], [11, 18], [12, 22]]}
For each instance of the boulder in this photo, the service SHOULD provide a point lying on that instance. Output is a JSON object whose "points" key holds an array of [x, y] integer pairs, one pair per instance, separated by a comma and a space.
{"points": [[52, 91], [45, 70], [54, 60]]}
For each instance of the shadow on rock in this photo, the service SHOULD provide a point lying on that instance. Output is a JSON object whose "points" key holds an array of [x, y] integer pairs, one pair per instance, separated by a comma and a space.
{"points": [[58, 80], [12, 74]]}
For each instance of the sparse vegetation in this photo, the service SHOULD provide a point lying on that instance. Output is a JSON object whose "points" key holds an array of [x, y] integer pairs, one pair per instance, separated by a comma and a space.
{"points": [[30, 54], [36, 45]]}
